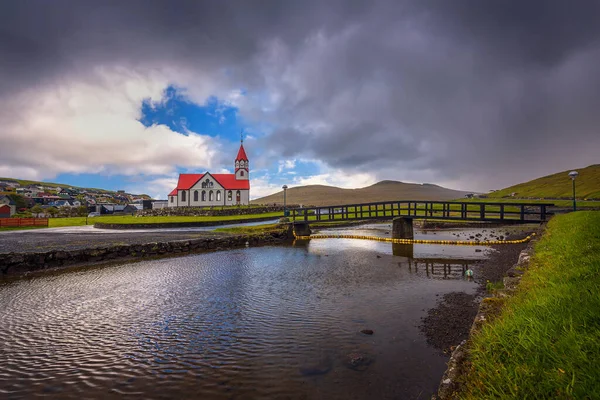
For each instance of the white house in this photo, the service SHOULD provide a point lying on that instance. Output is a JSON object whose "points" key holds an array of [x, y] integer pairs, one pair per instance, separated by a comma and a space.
{"points": [[200, 190]]}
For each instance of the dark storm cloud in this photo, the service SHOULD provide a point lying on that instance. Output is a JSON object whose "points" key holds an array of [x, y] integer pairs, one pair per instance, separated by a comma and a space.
{"points": [[487, 93]]}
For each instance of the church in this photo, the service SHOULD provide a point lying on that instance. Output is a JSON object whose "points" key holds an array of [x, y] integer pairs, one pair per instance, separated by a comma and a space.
{"points": [[201, 190]]}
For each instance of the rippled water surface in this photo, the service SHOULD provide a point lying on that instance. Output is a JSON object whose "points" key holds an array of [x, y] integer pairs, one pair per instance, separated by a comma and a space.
{"points": [[268, 322]]}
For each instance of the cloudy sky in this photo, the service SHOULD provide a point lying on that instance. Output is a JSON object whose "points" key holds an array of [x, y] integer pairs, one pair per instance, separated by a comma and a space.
{"points": [[469, 94]]}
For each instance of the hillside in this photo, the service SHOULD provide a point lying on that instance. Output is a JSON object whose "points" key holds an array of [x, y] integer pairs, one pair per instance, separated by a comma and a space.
{"points": [[10, 185], [557, 186], [319, 195]]}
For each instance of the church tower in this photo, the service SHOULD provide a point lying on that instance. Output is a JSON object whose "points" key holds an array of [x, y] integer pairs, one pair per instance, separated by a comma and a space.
{"points": [[242, 169]]}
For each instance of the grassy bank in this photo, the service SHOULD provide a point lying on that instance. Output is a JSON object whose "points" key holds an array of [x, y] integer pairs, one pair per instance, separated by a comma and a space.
{"points": [[128, 219], [242, 230], [546, 341], [581, 204]]}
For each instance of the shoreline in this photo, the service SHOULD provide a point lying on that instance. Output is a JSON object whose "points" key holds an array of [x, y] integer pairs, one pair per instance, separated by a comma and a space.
{"points": [[15, 264], [451, 323]]}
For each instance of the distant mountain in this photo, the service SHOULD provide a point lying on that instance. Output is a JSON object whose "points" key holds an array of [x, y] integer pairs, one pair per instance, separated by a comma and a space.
{"points": [[320, 195], [558, 186]]}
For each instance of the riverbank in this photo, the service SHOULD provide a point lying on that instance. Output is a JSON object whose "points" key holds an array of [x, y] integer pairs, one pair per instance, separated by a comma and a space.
{"points": [[27, 255], [545, 343], [449, 323], [538, 336]]}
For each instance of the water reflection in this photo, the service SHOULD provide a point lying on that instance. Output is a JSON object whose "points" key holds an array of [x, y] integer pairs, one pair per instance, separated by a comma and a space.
{"points": [[403, 250]]}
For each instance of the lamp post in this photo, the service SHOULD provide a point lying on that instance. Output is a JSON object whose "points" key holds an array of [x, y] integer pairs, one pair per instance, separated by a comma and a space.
{"points": [[284, 187], [573, 175]]}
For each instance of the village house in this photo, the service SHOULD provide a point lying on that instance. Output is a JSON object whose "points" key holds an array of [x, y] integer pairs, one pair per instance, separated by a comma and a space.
{"points": [[198, 190], [7, 207]]}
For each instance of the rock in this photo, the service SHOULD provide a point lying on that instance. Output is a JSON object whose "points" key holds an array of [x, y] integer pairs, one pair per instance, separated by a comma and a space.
{"points": [[367, 331], [477, 250], [378, 256], [321, 368], [358, 361]]}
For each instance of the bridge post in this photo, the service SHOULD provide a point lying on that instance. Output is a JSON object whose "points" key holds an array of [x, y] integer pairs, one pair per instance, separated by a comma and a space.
{"points": [[403, 250], [301, 228], [402, 228]]}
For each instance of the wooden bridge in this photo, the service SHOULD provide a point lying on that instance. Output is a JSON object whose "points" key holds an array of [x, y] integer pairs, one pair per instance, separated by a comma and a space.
{"points": [[405, 211]]}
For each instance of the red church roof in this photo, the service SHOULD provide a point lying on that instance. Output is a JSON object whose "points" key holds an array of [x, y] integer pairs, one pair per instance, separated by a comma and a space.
{"points": [[228, 181], [241, 154]]}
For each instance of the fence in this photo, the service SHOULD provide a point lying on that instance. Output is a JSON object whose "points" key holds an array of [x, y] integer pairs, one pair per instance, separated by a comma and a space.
{"points": [[18, 222]]}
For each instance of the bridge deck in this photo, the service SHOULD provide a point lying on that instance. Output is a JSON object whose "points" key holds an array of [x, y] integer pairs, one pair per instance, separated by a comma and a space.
{"points": [[442, 210]]}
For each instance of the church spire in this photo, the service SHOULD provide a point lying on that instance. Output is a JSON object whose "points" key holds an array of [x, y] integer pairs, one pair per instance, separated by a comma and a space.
{"points": [[242, 167]]}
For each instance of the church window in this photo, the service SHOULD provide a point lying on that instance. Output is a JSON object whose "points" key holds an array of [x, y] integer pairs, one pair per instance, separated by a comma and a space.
{"points": [[204, 195], [218, 195], [241, 173], [182, 195], [195, 195], [172, 198], [229, 196], [237, 164], [210, 196]]}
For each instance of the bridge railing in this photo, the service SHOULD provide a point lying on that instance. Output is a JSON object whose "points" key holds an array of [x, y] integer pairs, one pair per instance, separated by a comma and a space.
{"points": [[448, 210]]}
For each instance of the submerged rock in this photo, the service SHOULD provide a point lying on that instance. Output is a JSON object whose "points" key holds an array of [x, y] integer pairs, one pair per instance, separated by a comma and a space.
{"points": [[367, 331], [321, 368], [358, 361]]}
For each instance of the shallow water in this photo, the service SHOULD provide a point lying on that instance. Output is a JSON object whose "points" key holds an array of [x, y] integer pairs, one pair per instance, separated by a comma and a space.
{"points": [[268, 322]]}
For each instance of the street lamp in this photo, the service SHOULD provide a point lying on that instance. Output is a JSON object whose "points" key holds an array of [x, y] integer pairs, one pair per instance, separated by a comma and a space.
{"points": [[573, 175], [284, 187]]}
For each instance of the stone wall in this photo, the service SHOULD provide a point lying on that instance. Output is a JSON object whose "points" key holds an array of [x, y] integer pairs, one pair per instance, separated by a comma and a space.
{"points": [[191, 224], [210, 211], [14, 264]]}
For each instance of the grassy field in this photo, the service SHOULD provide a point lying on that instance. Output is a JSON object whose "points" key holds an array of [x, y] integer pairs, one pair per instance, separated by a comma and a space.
{"points": [[546, 342], [249, 229], [128, 219], [558, 185], [558, 203]]}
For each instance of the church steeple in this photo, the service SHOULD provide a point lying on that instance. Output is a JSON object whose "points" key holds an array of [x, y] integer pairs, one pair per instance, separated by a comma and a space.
{"points": [[242, 169]]}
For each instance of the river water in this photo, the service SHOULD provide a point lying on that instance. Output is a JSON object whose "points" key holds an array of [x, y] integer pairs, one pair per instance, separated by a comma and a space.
{"points": [[265, 322]]}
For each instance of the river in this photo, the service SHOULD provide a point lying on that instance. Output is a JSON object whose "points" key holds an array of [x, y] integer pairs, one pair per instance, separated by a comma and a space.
{"points": [[265, 322]]}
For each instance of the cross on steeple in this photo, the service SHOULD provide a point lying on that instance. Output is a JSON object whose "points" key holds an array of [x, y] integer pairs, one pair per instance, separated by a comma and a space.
{"points": [[242, 136]]}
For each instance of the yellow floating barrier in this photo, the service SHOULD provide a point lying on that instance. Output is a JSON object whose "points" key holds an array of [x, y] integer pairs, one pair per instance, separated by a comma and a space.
{"points": [[417, 241]]}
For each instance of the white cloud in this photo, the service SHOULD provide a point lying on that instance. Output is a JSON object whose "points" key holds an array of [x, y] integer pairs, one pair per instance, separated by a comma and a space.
{"points": [[91, 125], [286, 164], [337, 178], [263, 186]]}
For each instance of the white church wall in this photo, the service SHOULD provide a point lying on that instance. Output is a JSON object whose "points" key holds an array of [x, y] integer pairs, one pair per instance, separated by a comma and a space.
{"points": [[206, 185]]}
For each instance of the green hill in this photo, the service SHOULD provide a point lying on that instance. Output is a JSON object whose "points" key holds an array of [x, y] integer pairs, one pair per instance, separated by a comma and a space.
{"points": [[320, 195], [557, 186], [24, 183]]}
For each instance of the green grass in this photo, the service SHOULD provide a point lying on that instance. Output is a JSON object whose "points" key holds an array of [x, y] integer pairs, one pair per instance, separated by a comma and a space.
{"points": [[128, 219], [249, 229], [558, 185], [546, 341], [557, 203]]}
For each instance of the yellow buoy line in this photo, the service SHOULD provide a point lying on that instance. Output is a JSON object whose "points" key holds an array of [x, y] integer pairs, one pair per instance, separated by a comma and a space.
{"points": [[417, 241]]}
